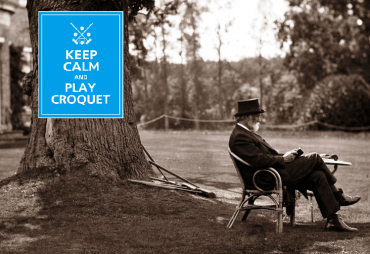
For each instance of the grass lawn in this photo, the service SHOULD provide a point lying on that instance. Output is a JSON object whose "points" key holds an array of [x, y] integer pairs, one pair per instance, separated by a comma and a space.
{"points": [[9, 161], [69, 214]]}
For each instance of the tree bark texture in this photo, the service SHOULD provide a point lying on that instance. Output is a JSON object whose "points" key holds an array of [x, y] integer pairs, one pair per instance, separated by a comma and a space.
{"points": [[108, 147]]}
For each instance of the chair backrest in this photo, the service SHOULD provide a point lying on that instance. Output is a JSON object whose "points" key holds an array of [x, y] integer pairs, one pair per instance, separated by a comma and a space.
{"points": [[234, 157], [238, 158]]}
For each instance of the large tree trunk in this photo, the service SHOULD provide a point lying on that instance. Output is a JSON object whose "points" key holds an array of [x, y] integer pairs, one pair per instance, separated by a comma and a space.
{"points": [[102, 147]]}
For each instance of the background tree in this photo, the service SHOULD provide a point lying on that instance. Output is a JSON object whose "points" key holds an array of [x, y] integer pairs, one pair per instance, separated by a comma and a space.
{"points": [[16, 74], [105, 147], [356, 33], [339, 100], [326, 37], [191, 19], [139, 31], [221, 30], [219, 73], [328, 42], [261, 34], [150, 32], [161, 20], [183, 82]]}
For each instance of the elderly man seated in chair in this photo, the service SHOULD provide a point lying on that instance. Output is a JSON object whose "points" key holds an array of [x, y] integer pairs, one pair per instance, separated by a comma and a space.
{"points": [[302, 173]]}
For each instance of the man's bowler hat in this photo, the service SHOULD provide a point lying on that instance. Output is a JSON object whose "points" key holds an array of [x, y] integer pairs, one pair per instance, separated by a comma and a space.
{"points": [[249, 107]]}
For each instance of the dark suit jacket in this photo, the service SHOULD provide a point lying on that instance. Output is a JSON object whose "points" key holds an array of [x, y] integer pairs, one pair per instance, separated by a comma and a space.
{"points": [[256, 151]]}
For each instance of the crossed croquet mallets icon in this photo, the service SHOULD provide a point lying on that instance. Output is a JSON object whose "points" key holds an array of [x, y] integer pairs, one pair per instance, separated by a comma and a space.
{"points": [[84, 39]]}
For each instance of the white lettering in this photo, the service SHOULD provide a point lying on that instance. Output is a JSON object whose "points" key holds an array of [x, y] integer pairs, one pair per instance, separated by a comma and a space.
{"points": [[106, 98], [74, 90], [81, 102], [62, 99], [65, 66], [88, 99], [74, 99], [81, 77], [83, 66], [78, 54], [81, 99], [52, 99], [68, 86], [76, 66], [69, 54], [91, 87], [82, 87], [93, 53], [91, 66], [85, 54]]}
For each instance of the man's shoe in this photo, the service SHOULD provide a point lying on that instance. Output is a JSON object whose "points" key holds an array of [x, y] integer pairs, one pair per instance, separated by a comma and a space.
{"points": [[344, 199], [334, 222]]}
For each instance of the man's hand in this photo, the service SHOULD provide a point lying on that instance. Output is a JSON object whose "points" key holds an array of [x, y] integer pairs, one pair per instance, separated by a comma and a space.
{"points": [[290, 156], [328, 156]]}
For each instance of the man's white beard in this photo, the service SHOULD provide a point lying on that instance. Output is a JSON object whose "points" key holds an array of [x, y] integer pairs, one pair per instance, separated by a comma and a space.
{"points": [[256, 126]]}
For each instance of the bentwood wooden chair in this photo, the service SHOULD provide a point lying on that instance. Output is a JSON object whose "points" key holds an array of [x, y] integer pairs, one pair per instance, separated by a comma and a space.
{"points": [[249, 196]]}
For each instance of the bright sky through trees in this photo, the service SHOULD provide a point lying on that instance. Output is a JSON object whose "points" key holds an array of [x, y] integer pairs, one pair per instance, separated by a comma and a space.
{"points": [[242, 36]]}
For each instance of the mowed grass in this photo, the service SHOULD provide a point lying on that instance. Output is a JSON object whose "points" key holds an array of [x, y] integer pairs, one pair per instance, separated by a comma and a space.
{"points": [[9, 161], [79, 214], [202, 158]]}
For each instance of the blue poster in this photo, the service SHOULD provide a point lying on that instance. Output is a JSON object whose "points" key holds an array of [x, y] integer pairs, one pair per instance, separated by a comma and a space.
{"points": [[80, 64]]}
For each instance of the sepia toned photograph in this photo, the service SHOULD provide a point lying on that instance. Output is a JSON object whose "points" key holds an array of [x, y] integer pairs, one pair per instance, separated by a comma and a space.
{"points": [[184, 126]]}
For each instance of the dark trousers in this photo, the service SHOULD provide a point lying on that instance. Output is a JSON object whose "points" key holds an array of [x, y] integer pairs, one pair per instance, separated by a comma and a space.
{"points": [[317, 182], [303, 166], [310, 172]]}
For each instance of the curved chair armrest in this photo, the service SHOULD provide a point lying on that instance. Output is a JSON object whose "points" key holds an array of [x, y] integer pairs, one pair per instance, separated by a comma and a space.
{"points": [[274, 173], [270, 170], [278, 177]]}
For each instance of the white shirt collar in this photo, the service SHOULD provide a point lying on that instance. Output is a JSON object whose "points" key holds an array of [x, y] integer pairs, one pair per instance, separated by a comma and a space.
{"points": [[243, 126]]}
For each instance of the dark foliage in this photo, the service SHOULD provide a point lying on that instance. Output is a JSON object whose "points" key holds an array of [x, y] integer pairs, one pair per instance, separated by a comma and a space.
{"points": [[327, 37], [339, 100], [136, 5]]}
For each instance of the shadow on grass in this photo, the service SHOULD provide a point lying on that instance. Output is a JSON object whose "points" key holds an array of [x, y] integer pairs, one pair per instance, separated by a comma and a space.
{"points": [[214, 182], [80, 214]]}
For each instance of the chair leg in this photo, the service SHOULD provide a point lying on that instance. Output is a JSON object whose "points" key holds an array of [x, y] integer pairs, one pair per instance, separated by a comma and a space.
{"points": [[245, 216], [233, 218], [236, 213], [292, 218], [279, 226], [250, 202], [312, 220]]}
